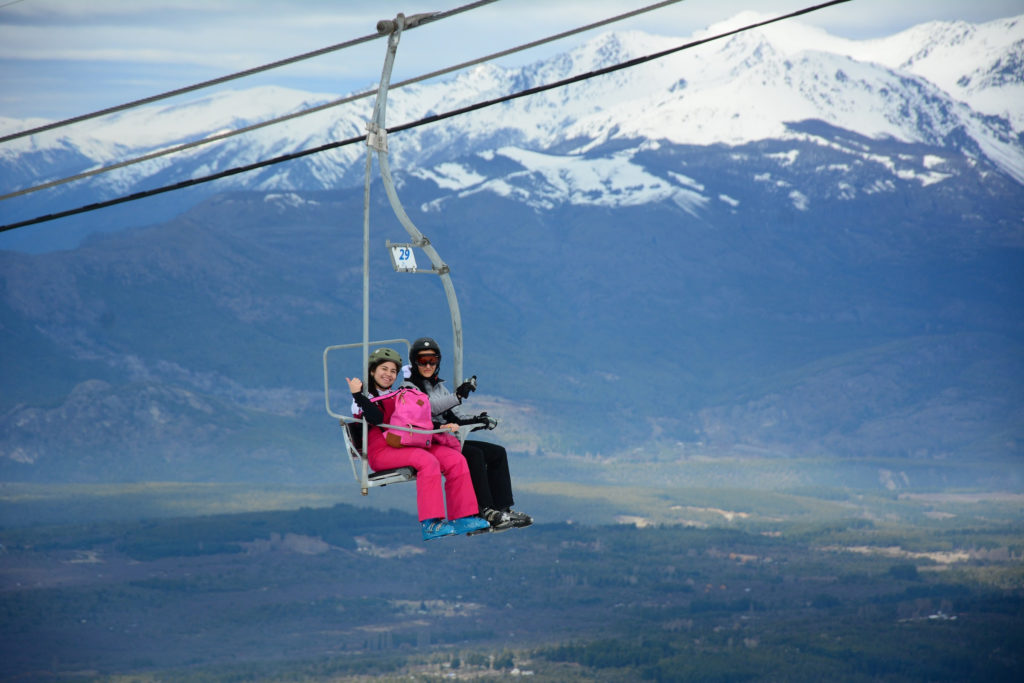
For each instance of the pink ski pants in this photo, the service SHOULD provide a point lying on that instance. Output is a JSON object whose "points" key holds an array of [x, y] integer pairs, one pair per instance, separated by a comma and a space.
{"points": [[430, 465]]}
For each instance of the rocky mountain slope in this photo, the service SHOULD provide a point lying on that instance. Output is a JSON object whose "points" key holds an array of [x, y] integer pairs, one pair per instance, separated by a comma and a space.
{"points": [[789, 245]]}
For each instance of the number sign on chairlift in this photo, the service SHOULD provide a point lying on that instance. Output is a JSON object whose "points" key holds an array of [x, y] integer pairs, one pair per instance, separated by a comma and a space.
{"points": [[403, 258]]}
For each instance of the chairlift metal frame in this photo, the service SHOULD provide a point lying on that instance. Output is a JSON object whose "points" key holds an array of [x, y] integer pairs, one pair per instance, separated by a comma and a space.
{"points": [[376, 141]]}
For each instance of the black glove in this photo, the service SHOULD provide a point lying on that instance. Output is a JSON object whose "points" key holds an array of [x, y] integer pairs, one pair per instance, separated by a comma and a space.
{"points": [[483, 421], [466, 387]]}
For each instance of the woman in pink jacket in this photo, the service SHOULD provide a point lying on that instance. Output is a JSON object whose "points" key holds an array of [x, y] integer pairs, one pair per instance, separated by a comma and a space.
{"points": [[376, 406]]}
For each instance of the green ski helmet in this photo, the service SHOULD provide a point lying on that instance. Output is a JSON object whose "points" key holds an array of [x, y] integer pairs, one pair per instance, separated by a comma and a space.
{"points": [[381, 355]]}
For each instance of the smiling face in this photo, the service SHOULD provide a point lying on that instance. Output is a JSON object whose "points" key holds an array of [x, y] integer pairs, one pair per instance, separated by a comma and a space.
{"points": [[426, 363], [384, 375]]}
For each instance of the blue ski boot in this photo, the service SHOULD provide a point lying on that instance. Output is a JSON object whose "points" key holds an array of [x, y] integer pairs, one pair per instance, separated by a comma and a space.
{"points": [[436, 528], [464, 525]]}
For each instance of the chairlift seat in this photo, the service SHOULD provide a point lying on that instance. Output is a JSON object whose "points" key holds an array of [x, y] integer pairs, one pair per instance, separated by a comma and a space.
{"points": [[395, 475]]}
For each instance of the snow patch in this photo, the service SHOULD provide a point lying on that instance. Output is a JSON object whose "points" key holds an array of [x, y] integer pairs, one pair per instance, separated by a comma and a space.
{"points": [[690, 202], [880, 186], [450, 176], [800, 200], [686, 181], [609, 181], [786, 158], [287, 199], [924, 178], [545, 181]]}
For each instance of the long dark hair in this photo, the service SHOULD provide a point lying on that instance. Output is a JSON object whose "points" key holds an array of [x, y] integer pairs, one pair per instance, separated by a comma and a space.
{"points": [[371, 384], [383, 355]]}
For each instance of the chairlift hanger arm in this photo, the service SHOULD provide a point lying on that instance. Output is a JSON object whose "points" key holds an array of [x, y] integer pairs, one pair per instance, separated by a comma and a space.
{"points": [[377, 140]]}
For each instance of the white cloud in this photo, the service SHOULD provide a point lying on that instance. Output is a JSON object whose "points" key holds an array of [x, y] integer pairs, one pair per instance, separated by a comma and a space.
{"points": [[72, 56]]}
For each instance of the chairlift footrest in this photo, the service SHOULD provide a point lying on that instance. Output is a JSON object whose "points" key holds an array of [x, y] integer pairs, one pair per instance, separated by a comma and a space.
{"points": [[488, 530], [392, 476]]}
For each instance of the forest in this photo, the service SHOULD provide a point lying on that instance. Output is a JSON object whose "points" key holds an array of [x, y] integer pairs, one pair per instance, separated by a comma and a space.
{"points": [[340, 592]]}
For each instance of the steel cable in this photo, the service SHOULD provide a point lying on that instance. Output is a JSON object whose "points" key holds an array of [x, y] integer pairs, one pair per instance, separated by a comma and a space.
{"points": [[415, 124], [334, 103], [230, 77]]}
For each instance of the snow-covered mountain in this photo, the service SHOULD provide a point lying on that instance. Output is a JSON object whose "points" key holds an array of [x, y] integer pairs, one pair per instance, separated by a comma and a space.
{"points": [[808, 245], [954, 86]]}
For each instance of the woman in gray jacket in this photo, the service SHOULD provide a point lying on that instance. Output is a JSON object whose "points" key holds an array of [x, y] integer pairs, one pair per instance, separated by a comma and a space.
{"points": [[488, 462]]}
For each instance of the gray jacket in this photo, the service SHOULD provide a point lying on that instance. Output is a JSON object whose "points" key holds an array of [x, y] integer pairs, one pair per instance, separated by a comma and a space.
{"points": [[441, 400]]}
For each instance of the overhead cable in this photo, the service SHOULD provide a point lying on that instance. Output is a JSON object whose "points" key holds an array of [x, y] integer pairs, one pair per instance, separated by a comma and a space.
{"points": [[334, 103], [183, 184], [437, 16], [608, 69], [415, 124]]}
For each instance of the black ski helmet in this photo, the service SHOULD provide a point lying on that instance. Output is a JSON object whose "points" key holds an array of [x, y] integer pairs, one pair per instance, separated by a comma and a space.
{"points": [[423, 344]]}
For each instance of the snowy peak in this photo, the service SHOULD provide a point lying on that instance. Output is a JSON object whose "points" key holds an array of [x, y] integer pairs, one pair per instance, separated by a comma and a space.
{"points": [[611, 48], [948, 54], [955, 86], [751, 86], [980, 64]]}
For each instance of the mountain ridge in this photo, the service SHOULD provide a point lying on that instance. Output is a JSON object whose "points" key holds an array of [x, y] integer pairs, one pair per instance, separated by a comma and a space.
{"points": [[825, 290], [745, 88]]}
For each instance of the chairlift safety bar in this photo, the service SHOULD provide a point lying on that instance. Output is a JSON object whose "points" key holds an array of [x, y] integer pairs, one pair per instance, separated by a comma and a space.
{"points": [[348, 418], [361, 472], [339, 347]]}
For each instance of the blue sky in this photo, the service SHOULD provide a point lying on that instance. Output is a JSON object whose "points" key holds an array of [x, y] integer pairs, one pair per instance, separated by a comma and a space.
{"points": [[60, 58]]}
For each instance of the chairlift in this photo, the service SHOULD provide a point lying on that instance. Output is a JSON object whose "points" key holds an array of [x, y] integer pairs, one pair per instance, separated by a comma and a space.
{"points": [[353, 431], [403, 260]]}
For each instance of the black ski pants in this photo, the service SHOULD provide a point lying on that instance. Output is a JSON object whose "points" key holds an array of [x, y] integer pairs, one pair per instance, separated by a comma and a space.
{"points": [[488, 467]]}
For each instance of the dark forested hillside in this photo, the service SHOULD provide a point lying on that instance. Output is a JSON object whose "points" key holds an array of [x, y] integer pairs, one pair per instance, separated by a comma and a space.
{"points": [[321, 594], [788, 314]]}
